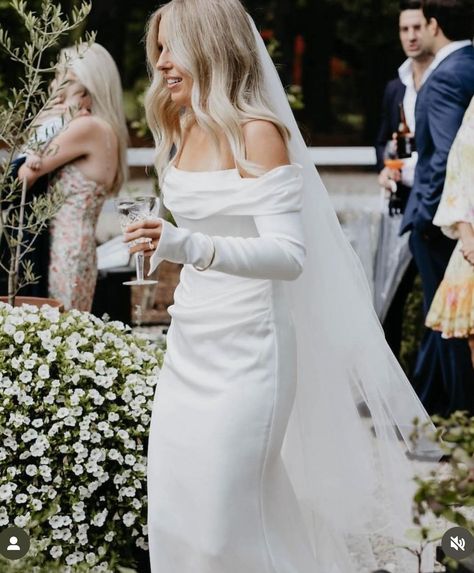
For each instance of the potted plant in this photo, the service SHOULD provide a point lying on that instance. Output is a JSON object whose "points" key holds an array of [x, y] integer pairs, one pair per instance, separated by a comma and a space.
{"points": [[76, 395], [22, 218]]}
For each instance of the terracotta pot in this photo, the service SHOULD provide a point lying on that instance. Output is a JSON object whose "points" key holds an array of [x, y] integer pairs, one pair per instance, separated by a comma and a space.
{"points": [[35, 301]]}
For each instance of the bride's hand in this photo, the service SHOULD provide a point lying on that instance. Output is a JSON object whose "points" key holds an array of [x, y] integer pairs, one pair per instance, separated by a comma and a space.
{"points": [[150, 229]]}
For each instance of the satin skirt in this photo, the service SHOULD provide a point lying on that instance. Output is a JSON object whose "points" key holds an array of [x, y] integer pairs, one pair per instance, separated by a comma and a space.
{"points": [[219, 498]]}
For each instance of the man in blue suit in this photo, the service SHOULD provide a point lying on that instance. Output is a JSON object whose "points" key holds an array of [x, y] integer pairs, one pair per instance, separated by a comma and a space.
{"points": [[443, 377]]}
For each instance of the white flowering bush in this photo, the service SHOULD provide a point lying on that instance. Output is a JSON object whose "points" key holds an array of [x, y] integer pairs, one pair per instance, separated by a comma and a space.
{"points": [[75, 404]]}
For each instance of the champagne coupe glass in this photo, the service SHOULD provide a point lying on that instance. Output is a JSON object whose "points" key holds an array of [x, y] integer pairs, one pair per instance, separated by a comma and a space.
{"points": [[130, 211], [391, 157]]}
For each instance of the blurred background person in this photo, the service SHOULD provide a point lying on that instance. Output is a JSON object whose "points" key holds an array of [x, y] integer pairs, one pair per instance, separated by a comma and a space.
{"points": [[452, 309], [89, 161], [62, 106], [443, 373], [395, 270]]}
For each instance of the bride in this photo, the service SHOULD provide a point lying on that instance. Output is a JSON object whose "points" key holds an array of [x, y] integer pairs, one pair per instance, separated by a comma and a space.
{"points": [[258, 460]]}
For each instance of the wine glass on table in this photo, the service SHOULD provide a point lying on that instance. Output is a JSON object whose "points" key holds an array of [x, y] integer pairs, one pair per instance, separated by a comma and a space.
{"points": [[130, 211], [393, 161]]}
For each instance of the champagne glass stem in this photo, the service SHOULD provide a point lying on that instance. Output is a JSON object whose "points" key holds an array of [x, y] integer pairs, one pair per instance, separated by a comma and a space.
{"points": [[139, 263]]}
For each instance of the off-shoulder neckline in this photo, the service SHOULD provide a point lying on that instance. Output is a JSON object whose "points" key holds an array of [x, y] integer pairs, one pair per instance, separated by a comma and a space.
{"points": [[207, 172], [232, 170]]}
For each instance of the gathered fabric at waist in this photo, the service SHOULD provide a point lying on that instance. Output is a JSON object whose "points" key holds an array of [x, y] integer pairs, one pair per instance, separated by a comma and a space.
{"points": [[211, 296]]}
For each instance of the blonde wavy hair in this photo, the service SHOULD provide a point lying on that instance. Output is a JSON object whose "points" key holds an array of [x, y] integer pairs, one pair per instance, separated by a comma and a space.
{"points": [[96, 70], [213, 41]]}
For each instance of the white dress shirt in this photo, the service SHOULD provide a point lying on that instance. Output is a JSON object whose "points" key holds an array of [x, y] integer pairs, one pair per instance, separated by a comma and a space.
{"points": [[405, 73]]}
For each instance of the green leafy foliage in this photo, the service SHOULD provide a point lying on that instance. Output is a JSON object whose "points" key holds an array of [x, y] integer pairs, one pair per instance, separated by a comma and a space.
{"points": [[448, 495], [76, 399], [38, 29]]}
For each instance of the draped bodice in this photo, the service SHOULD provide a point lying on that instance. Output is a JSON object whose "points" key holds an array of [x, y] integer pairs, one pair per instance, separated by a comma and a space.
{"points": [[224, 203]]}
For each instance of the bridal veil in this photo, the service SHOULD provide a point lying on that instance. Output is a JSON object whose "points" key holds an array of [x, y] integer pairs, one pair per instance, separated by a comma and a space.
{"points": [[356, 484]]}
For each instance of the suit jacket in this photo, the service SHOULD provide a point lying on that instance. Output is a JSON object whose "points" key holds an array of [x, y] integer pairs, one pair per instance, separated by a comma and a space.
{"points": [[439, 111], [390, 117]]}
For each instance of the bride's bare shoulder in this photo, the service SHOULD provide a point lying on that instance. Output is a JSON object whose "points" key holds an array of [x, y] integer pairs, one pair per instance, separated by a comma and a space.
{"points": [[264, 144]]}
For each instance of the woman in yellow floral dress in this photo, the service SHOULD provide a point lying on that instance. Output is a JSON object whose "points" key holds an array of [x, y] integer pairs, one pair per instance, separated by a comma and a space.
{"points": [[452, 310]]}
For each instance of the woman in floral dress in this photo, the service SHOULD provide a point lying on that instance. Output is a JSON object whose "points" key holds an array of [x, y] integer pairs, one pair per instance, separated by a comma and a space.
{"points": [[452, 310], [87, 160]]}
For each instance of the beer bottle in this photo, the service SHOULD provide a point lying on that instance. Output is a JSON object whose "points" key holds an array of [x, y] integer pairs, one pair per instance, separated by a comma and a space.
{"points": [[405, 139]]}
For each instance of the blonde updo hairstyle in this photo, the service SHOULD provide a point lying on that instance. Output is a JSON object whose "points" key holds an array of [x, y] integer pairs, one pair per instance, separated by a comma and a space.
{"points": [[213, 41], [96, 70]]}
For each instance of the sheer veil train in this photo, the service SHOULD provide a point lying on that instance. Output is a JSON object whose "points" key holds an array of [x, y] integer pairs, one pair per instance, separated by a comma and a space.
{"points": [[355, 485]]}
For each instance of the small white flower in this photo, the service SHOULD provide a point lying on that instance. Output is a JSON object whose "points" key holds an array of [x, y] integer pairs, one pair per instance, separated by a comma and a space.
{"points": [[37, 504], [21, 498], [96, 438], [55, 521], [22, 520], [5, 492], [43, 371], [45, 471], [100, 366], [109, 536], [9, 329], [37, 423], [114, 454], [129, 518], [56, 551], [142, 543], [51, 357], [31, 470], [29, 435], [62, 412], [37, 450], [130, 445], [99, 519], [71, 559], [127, 491], [137, 504], [52, 493], [26, 376], [19, 337], [78, 469], [123, 434]]}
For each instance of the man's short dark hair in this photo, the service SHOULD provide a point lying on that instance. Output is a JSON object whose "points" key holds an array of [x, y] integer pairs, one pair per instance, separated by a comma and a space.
{"points": [[454, 17], [410, 5]]}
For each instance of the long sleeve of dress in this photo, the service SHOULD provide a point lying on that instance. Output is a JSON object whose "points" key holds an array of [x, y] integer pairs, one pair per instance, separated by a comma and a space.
{"points": [[457, 200], [277, 253]]}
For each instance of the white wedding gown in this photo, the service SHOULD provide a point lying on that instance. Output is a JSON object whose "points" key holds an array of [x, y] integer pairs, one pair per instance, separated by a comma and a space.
{"points": [[220, 500]]}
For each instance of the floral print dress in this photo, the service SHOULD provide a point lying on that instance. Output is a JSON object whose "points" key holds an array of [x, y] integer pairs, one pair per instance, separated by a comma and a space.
{"points": [[73, 262], [452, 309]]}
